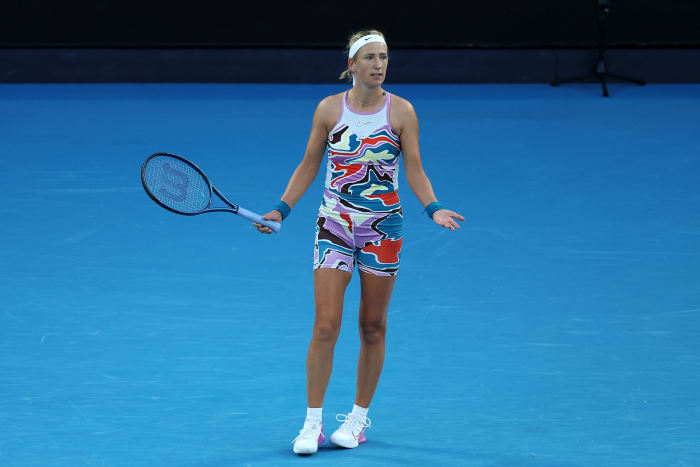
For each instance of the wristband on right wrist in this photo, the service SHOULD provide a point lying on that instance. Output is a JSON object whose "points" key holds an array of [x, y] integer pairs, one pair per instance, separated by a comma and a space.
{"points": [[283, 208], [432, 207]]}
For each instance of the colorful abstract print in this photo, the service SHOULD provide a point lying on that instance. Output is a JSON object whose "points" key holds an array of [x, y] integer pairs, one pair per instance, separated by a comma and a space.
{"points": [[366, 169], [360, 219], [344, 236]]}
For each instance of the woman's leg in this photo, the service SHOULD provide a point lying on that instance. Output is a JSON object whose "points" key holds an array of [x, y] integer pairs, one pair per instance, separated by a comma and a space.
{"points": [[329, 291], [374, 305]]}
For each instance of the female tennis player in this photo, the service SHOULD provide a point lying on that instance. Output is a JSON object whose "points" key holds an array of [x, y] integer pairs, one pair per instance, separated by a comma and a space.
{"points": [[359, 222]]}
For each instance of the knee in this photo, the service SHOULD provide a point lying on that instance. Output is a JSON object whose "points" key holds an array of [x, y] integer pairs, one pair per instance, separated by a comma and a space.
{"points": [[372, 332], [326, 332]]}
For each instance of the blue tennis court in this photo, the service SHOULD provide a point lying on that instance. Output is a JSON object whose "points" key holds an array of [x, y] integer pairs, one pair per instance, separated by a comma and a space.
{"points": [[559, 327]]}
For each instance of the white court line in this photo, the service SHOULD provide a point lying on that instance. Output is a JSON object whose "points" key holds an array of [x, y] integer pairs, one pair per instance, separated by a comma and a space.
{"points": [[692, 310], [76, 237]]}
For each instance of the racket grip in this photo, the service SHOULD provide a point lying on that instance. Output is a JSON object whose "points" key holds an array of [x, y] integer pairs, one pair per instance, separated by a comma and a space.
{"points": [[250, 215]]}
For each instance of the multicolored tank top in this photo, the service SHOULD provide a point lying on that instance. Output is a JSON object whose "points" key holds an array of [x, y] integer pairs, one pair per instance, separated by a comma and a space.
{"points": [[363, 159]]}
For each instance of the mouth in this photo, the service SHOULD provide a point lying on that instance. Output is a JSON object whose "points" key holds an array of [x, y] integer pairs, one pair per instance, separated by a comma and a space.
{"points": [[377, 75]]}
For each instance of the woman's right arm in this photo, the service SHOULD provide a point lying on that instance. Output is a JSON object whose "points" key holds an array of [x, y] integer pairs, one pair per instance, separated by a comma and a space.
{"points": [[306, 171]]}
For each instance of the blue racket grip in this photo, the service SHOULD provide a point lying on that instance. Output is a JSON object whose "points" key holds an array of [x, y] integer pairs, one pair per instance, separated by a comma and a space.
{"points": [[250, 215]]}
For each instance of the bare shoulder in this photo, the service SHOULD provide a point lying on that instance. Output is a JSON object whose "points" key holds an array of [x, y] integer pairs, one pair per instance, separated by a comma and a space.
{"points": [[401, 104], [328, 110], [331, 102], [403, 115]]}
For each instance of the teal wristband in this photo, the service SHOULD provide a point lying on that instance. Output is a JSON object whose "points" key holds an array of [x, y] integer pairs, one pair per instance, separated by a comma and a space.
{"points": [[283, 208], [432, 207]]}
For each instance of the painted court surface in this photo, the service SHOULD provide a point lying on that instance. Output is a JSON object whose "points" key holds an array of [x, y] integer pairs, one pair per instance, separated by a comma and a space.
{"points": [[560, 327]]}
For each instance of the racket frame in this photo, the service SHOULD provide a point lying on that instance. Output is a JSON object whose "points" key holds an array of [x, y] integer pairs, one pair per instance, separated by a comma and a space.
{"points": [[212, 189], [233, 209]]}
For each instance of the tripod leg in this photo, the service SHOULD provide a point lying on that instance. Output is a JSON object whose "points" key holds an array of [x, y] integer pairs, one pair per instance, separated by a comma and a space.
{"points": [[602, 83], [625, 78]]}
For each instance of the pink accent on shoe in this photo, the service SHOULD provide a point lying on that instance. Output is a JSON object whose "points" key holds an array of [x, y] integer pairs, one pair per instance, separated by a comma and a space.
{"points": [[361, 438], [321, 438]]}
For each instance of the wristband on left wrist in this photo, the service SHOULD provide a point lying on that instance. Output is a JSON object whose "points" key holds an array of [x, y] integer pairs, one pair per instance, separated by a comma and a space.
{"points": [[432, 207]]}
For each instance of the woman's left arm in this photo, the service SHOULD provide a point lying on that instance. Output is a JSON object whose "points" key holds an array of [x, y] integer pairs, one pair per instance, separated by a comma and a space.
{"points": [[415, 175]]}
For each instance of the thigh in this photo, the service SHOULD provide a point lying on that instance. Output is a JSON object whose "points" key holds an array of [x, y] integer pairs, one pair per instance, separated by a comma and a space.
{"points": [[375, 298], [329, 291]]}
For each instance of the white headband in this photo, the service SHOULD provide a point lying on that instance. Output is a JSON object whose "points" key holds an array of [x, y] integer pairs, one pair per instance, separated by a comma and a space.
{"points": [[365, 40]]}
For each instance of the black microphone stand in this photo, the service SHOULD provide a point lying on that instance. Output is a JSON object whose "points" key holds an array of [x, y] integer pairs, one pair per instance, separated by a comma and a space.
{"points": [[601, 69]]}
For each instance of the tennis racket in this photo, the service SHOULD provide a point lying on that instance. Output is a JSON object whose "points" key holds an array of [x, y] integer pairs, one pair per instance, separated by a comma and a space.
{"points": [[181, 187]]}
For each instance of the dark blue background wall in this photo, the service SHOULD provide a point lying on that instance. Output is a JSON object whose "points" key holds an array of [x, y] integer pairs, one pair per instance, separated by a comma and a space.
{"points": [[326, 24], [302, 42]]}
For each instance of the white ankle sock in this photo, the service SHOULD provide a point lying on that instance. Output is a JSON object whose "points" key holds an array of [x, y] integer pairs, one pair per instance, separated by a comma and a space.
{"points": [[314, 413], [361, 412]]}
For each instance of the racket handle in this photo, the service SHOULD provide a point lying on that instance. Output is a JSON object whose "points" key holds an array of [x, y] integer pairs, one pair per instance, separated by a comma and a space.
{"points": [[250, 215]]}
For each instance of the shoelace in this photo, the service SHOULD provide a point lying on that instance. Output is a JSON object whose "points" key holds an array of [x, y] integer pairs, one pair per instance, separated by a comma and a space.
{"points": [[308, 430], [352, 423]]}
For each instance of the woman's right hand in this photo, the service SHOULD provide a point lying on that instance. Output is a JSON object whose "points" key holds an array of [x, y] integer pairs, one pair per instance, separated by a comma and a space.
{"points": [[273, 215]]}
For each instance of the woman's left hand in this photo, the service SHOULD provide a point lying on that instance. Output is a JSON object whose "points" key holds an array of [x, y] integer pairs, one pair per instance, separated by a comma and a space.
{"points": [[446, 218]]}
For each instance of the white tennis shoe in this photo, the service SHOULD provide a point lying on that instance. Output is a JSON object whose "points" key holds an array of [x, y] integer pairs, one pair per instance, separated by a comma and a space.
{"points": [[352, 432], [310, 437]]}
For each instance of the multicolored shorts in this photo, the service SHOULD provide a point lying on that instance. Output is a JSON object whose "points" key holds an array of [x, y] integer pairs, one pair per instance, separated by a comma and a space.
{"points": [[349, 231]]}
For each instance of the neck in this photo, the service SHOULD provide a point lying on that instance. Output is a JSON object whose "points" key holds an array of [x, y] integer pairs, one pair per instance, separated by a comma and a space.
{"points": [[365, 96]]}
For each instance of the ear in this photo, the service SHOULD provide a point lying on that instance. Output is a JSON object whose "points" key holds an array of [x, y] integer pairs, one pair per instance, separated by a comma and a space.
{"points": [[351, 65]]}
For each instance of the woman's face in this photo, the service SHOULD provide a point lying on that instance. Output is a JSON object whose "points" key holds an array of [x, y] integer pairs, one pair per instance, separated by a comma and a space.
{"points": [[370, 63]]}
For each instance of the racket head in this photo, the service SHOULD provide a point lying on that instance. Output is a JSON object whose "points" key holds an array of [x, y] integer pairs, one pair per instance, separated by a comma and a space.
{"points": [[176, 184]]}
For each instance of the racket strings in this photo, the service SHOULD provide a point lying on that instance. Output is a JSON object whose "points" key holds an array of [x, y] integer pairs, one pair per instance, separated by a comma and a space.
{"points": [[176, 184]]}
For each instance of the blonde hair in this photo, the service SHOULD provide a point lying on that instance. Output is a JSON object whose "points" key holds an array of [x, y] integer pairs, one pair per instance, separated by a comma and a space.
{"points": [[347, 74]]}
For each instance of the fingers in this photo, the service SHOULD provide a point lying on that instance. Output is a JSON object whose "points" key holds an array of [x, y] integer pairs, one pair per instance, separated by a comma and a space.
{"points": [[450, 223], [445, 219], [262, 229], [273, 215], [454, 214]]}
